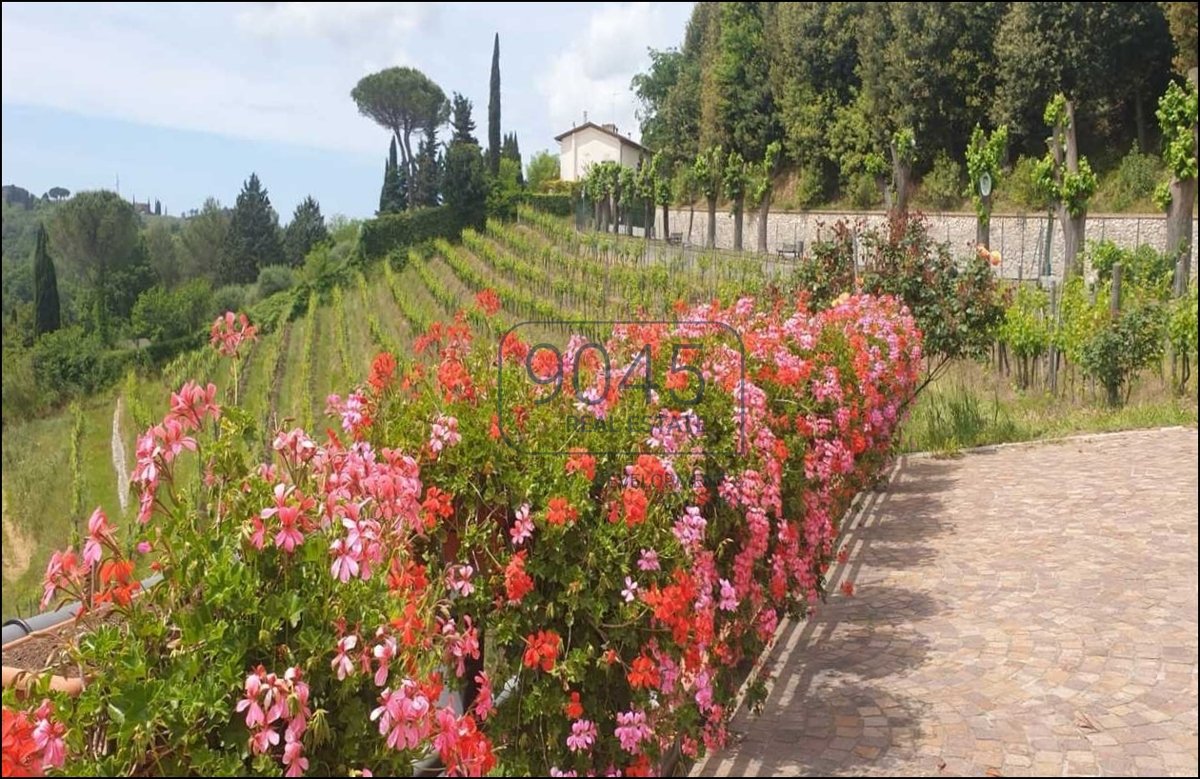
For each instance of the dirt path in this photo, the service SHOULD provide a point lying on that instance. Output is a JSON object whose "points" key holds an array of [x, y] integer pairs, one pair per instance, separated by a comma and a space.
{"points": [[18, 548], [118, 456]]}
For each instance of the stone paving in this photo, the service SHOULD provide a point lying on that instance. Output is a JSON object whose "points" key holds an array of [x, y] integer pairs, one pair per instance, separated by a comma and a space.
{"points": [[1029, 610]]}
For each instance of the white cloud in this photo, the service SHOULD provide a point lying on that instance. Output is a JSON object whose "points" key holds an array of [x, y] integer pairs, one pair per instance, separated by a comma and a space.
{"points": [[594, 70], [277, 72], [347, 25]]}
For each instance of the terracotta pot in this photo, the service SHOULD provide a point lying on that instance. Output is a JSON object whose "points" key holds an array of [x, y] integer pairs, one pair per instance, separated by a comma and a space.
{"points": [[23, 681]]}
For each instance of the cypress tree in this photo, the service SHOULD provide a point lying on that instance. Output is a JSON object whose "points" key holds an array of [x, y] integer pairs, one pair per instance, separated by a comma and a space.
{"points": [[509, 150], [47, 317], [494, 112], [385, 191], [393, 195]]}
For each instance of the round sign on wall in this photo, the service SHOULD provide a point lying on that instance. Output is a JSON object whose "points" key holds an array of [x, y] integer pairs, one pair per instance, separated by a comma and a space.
{"points": [[985, 184]]}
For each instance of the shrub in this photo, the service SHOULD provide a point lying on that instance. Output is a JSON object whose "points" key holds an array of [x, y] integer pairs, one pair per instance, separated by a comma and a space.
{"points": [[1132, 183], [273, 311], [272, 279], [397, 232], [162, 315], [1023, 185], [69, 361], [828, 270], [1118, 351], [315, 602], [323, 271], [232, 297], [1143, 266], [549, 203], [1182, 333], [1026, 329], [942, 186], [956, 304], [862, 191]]}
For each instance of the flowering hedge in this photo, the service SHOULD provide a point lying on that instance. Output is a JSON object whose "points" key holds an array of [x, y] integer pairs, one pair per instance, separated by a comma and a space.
{"points": [[595, 610]]}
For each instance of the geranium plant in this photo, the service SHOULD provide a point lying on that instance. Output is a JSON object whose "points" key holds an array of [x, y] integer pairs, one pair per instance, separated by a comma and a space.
{"points": [[410, 585]]}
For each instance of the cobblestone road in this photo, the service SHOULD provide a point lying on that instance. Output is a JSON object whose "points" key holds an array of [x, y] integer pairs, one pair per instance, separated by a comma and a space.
{"points": [[1028, 610]]}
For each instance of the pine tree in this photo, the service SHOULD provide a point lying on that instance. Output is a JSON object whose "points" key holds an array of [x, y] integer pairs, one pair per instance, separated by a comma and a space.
{"points": [[461, 123], [253, 238], [305, 231], [494, 111], [157, 208], [45, 288]]}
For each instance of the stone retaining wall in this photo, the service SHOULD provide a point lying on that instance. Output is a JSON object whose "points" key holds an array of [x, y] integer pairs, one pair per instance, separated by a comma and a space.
{"points": [[1020, 239]]}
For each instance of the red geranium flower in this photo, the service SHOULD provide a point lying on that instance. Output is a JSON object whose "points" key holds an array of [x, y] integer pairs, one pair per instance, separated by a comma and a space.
{"points": [[574, 708], [561, 512], [542, 649], [517, 583], [582, 462], [643, 673]]}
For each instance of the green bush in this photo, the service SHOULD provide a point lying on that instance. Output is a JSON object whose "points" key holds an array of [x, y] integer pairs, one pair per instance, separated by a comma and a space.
{"points": [[1143, 266], [862, 191], [549, 203], [1132, 182], [69, 361], [391, 232], [272, 279], [323, 270], [1117, 352], [231, 297], [956, 304], [505, 191], [942, 187], [1023, 188], [163, 315], [274, 310]]}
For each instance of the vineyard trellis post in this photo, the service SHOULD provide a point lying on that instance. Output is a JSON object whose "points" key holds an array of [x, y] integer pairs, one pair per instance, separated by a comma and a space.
{"points": [[1114, 301]]}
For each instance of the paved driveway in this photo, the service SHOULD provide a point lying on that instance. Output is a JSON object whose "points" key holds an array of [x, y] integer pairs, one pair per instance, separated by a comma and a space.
{"points": [[1029, 610]]}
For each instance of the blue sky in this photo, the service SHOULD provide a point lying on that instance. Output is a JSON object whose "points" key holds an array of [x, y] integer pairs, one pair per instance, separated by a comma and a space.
{"points": [[183, 101]]}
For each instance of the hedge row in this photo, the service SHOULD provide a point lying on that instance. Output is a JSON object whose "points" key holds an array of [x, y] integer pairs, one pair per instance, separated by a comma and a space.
{"points": [[550, 203], [397, 231]]}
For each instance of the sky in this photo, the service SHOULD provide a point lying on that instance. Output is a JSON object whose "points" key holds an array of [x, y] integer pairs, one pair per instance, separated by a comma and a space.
{"points": [[179, 102]]}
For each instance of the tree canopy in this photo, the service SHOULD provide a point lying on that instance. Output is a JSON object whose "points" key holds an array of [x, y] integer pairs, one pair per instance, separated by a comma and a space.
{"points": [[461, 123], [305, 231], [835, 82], [543, 168], [253, 240], [404, 100]]}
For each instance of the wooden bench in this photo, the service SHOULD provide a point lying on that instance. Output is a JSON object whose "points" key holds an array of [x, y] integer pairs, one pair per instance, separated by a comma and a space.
{"points": [[675, 238], [793, 250]]}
